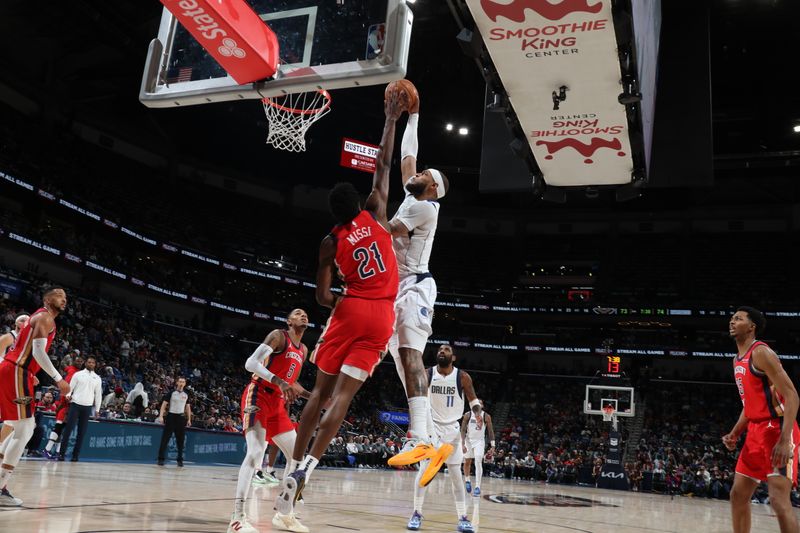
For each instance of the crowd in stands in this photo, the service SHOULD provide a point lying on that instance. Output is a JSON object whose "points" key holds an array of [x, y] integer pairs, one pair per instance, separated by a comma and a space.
{"points": [[545, 437]]}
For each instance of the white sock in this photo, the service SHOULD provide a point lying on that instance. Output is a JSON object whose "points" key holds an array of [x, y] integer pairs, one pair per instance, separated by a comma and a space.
{"points": [[419, 492], [293, 464], [5, 475], [51, 442], [459, 494], [269, 469], [418, 409], [308, 464], [256, 442]]}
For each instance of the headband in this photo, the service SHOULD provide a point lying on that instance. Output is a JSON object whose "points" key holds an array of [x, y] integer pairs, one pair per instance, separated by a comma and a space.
{"points": [[437, 177]]}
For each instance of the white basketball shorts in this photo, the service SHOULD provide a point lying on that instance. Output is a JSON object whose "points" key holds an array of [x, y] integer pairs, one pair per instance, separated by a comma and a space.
{"points": [[414, 313], [475, 449]]}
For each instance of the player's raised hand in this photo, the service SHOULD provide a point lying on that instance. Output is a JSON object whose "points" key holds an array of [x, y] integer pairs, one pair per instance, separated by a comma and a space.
{"points": [[730, 441], [395, 104], [782, 453]]}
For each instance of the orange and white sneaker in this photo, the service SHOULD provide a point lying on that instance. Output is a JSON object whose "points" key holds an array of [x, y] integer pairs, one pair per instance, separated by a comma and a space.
{"points": [[437, 461], [414, 451], [241, 525]]}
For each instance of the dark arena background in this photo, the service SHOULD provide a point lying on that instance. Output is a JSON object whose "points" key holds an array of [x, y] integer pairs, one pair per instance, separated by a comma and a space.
{"points": [[574, 273]]}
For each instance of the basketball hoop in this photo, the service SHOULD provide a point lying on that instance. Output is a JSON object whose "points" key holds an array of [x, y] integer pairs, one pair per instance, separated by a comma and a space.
{"points": [[291, 115], [608, 413]]}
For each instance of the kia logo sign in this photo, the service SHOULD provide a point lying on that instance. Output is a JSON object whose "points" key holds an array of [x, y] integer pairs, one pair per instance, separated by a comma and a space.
{"points": [[515, 11], [613, 475]]}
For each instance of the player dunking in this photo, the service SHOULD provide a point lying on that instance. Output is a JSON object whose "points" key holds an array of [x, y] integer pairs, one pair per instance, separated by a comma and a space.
{"points": [[769, 414], [360, 324], [474, 439], [17, 372], [448, 387], [414, 228], [6, 343], [276, 364]]}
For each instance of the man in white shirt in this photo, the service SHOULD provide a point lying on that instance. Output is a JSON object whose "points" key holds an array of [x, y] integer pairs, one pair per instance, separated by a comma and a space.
{"points": [[85, 395]]}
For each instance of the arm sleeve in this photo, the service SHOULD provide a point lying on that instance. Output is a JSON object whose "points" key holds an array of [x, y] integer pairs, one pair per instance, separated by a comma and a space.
{"points": [[255, 362], [40, 355], [410, 144], [418, 214]]}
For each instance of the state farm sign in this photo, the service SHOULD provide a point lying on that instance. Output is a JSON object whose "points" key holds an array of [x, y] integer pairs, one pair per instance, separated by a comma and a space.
{"points": [[539, 45]]}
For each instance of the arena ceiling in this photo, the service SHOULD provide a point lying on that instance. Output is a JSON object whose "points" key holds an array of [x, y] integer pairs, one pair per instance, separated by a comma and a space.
{"points": [[81, 61]]}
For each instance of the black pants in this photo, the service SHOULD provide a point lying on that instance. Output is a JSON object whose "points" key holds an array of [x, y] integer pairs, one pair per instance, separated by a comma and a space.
{"points": [[173, 424], [78, 414]]}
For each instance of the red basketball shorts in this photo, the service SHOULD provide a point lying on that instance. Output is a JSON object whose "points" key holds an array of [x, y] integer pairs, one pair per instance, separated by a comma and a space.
{"points": [[755, 459], [16, 392], [357, 333], [264, 404]]}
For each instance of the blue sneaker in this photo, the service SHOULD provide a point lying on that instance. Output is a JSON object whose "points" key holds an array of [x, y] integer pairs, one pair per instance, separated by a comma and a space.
{"points": [[292, 491], [415, 521], [465, 526], [477, 491], [469, 487]]}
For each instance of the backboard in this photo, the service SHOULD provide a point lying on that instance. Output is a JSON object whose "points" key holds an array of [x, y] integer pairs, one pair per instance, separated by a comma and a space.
{"points": [[323, 45], [598, 396]]}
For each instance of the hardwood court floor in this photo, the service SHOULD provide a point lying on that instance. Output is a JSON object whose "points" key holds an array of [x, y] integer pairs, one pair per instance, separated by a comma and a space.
{"points": [[105, 497]]}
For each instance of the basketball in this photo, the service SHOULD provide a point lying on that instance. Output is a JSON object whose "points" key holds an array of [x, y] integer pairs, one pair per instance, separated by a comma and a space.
{"points": [[408, 88]]}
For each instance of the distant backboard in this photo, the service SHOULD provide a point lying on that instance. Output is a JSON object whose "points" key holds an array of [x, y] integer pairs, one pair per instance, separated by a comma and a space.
{"points": [[323, 45], [598, 396]]}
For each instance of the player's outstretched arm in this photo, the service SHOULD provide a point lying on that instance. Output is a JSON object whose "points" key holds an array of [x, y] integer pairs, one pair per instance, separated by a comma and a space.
{"points": [[767, 361], [410, 146], [378, 198]]}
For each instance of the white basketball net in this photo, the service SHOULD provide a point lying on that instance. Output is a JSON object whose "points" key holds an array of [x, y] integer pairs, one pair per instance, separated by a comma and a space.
{"points": [[291, 115], [608, 414]]}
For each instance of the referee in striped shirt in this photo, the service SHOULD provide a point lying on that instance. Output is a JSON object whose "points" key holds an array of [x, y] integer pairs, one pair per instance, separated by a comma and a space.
{"points": [[175, 414]]}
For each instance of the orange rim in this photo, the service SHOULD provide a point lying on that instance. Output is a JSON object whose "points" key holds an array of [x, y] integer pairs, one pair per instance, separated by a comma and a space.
{"points": [[323, 92]]}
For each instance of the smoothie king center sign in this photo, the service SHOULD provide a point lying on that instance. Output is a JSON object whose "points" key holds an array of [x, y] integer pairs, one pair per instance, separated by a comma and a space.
{"points": [[537, 46]]}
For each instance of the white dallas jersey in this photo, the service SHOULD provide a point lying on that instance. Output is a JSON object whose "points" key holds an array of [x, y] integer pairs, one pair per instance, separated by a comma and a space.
{"points": [[473, 433], [446, 396], [413, 252]]}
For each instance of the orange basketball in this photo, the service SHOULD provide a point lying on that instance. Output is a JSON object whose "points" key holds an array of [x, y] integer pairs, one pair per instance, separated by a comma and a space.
{"points": [[408, 88]]}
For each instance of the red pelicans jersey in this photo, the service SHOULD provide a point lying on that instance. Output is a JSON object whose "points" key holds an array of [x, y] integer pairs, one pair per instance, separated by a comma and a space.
{"points": [[22, 353], [365, 258], [761, 401], [285, 364]]}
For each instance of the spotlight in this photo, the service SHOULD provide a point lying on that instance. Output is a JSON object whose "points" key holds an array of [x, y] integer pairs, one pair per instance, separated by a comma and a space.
{"points": [[449, 127], [797, 128], [463, 131]]}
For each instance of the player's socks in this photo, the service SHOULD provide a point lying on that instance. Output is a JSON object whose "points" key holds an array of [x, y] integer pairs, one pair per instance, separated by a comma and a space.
{"points": [[5, 475], [418, 407], [308, 464]]}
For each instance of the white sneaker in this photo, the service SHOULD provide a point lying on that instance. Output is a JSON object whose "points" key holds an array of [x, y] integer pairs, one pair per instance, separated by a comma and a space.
{"points": [[241, 525], [7, 500], [289, 522]]}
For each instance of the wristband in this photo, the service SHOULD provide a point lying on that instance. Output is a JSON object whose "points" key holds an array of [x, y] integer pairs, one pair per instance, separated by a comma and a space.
{"points": [[474, 402]]}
